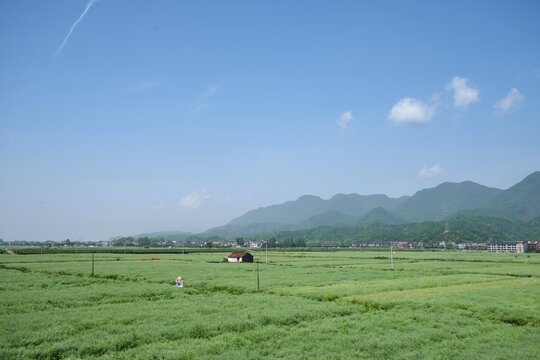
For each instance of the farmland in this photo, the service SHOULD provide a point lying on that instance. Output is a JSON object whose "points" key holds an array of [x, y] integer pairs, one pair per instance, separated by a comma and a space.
{"points": [[341, 304]]}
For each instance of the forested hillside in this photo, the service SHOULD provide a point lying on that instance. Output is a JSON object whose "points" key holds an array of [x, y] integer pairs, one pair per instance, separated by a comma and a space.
{"points": [[461, 229]]}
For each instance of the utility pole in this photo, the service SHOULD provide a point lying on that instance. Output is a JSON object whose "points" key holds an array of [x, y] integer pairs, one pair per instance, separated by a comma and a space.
{"points": [[257, 261], [391, 255], [92, 264], [446, 229]]}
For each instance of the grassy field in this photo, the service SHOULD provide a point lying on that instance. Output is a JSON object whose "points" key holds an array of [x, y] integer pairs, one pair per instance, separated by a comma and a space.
{"points": [[327, 305]]}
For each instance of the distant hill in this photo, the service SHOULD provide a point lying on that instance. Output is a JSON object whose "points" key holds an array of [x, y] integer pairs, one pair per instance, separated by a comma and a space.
{"points": [[306, 212], [520, 202], [381, 216], [328, 218], [308, 206], [230, 231], [430, 204], [289, 212], [358, 205]]}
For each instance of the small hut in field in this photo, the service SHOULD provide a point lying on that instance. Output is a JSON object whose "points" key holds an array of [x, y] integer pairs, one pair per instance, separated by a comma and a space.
{"points": [[240, 256]]}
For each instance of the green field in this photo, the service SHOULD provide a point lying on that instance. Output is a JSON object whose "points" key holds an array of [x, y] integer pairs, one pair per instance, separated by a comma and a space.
{"points": [[327, 305]]}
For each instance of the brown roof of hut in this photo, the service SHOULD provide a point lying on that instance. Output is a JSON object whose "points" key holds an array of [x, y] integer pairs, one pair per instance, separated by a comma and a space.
{"points": [[238, 254]]}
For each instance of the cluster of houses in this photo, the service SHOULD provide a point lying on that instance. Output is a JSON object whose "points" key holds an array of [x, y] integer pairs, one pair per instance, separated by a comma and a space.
{"points": [[514, 246], [506, 246], [497, 247], [247, 244], [52, 243]]}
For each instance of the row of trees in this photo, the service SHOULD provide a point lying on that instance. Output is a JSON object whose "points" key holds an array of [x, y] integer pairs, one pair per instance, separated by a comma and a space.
{"points": [[139, 242], [146, 241], [289, 242]]}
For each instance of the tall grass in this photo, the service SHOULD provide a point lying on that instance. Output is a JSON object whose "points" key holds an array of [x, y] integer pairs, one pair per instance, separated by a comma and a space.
{"points": [[312, 305]]}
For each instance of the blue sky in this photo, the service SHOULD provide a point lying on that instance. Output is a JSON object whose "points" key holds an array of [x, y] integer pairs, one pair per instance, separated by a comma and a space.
{"points": [[177, 115]]}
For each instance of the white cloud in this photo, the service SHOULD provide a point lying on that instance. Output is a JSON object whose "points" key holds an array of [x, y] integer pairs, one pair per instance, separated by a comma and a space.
{"points": [[194, 200], [410, 111], [511, 102], [159, 206], [344, 120], [428, 172], [464, 95]]}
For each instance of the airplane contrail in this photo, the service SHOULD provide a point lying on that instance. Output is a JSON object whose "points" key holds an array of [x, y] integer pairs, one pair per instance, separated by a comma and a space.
{"points": [[88, 6]]}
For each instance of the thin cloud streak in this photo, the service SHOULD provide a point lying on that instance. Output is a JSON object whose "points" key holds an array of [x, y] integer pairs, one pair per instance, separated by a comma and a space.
{"points": [[88, 6]]}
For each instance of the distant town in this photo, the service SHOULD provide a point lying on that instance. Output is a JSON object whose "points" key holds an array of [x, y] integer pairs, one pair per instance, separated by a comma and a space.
{"points": [[238, 243]]}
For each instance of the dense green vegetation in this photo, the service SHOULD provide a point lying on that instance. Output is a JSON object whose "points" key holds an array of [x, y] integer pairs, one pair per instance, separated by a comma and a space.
{"points": [[323, 305], [462, 229], [381, 216]]}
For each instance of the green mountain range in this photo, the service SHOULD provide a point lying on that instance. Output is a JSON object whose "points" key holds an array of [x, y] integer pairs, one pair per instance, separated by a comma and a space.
{"points": [[381, 216], [520, 202], [447, 200], [308, 206]]}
